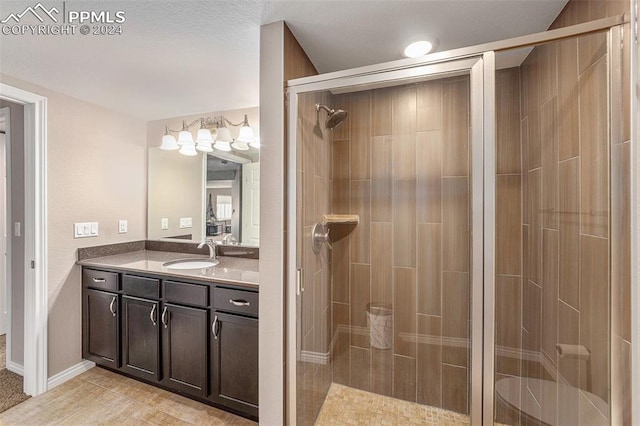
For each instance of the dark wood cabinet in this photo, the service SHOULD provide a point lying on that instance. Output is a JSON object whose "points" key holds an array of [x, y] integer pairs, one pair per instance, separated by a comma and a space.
{"points": [[101, 336], [195, 338], [141, 337], [185, 348], [234, 362]]}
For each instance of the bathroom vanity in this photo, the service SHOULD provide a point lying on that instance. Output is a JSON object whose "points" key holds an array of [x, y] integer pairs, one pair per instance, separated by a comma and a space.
{"points": [[193, 331]]}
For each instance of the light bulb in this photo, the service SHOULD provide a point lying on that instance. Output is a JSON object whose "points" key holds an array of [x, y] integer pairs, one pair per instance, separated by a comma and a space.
{"points": [[224, 135], [240, 146], [222, 146], [204, 147], [169, 143], [188, 149], [245, 134], [418, 48], [185, 137], [204, 135]]}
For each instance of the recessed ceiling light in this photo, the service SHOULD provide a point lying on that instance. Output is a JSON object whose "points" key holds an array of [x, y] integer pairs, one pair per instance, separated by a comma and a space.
{"points": [[418, 48]]}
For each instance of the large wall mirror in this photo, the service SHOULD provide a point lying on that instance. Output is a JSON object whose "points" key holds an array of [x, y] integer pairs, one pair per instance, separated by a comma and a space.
{"points": [[208, 195]]}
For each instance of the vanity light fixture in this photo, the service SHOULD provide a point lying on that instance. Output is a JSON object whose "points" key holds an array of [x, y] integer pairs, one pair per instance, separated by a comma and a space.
{"points": [[213, 134]]}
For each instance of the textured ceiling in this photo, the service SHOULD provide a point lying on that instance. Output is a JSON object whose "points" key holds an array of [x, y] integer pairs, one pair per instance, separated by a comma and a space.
{"points": [[182, 57]]}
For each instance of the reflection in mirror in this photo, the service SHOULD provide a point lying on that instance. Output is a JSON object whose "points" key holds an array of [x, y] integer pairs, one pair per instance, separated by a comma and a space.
{"points": [[214, 195]]}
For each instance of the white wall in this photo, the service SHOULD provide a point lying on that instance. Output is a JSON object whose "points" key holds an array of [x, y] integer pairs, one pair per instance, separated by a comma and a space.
{"points": [[175, 191], [97, 172]]}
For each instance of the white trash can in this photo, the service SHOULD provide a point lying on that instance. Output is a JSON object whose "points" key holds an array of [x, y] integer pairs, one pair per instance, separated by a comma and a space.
{"points": [[380, 321]]}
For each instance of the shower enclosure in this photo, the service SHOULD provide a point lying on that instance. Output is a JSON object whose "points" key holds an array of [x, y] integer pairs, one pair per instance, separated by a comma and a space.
{"points": [[458, 243]]}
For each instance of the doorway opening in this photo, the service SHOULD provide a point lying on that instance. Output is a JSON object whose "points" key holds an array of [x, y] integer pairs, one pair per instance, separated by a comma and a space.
{"points": [[11, 337], [27, 130]]}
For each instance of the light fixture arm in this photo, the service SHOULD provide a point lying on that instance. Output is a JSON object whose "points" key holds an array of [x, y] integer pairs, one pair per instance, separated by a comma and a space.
{"points": [[184, 126], [210, 122], [242, 123]]}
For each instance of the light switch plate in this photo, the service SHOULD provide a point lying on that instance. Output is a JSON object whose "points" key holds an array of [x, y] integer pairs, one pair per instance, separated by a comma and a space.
{"points": [[186, 222], [17, 229], [164, 223], [85, 229], [122, 226]]}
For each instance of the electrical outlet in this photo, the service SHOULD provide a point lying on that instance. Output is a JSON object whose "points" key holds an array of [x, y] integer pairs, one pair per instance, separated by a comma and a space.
{"points": [[164, 223], [122, 226], [17, 229], [186, 222]]}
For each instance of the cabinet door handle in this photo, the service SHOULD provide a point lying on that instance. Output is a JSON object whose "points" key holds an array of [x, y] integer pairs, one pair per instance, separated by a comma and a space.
{"points": [[214, 328], [99, 280], [239, 302], [164, 317], [152, 315], [113, 312]]}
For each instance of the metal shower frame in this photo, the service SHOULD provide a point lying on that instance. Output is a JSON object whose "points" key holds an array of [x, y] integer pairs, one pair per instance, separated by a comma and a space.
{"points": [[479, 63]]}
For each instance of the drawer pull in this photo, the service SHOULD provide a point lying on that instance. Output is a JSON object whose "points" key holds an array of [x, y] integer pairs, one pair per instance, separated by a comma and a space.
{"points": [[214, 328], [164, 317], [239, 302], [152, 315], [99, 280], [113, 312]]}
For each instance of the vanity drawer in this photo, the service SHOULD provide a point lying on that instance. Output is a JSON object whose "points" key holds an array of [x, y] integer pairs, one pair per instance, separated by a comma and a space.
{"points": [[141, 287], [185, 293], [232, 300], [100, 279]]}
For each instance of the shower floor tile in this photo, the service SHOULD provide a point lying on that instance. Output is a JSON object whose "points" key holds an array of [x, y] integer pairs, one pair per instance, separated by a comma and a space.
{"points": [[349, 406]]}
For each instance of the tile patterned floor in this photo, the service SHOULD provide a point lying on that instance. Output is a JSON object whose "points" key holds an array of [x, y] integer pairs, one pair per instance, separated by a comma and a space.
{"points": [[99, 396], [349, 406]]}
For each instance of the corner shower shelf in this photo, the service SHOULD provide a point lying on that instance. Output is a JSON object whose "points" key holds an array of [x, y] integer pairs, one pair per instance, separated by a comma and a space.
{"points": [[341, 219]]}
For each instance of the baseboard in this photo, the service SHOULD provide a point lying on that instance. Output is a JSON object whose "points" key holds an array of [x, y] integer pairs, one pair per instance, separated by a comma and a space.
{"points": [[15, 368], [69, 373], [314, 357]]}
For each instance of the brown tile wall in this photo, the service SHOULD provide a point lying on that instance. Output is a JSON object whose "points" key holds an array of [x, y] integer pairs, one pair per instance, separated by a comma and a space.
{"points": [[569, 231], [401, 162]]}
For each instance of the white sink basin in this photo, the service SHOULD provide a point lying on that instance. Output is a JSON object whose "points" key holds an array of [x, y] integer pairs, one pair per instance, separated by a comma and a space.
{"points": [[190, 263]]}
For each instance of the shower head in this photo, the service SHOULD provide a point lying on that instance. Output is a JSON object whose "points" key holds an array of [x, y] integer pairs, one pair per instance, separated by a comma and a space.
{"points": [[335, 117]]}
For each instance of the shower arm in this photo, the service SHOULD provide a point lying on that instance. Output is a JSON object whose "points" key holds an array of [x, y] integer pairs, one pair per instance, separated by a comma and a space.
{"points": [[324, 107]]}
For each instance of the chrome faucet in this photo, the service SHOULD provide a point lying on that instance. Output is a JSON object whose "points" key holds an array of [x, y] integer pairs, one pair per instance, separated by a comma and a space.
{"points": [[212, 247]]}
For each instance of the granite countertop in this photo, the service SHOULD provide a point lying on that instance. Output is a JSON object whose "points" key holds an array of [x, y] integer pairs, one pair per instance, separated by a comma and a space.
{"points": [[230, 270]]}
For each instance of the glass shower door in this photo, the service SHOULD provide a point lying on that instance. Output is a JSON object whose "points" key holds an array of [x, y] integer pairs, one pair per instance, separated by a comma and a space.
{"points": [[385, 271], [560, 220]]}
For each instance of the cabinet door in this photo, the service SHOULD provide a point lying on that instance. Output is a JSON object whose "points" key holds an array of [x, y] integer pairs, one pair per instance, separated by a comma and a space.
{"points": [[185, 349], [141, 337], [234, 369], [100, 338]]}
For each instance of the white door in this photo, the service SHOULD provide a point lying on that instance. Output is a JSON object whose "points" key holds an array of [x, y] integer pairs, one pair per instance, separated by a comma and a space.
{"points": [[251, 204]]}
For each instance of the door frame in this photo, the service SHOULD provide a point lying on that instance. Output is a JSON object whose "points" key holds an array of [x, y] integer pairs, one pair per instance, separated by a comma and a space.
{"points": [[482, 78], [35, 236], [5, 117]]}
